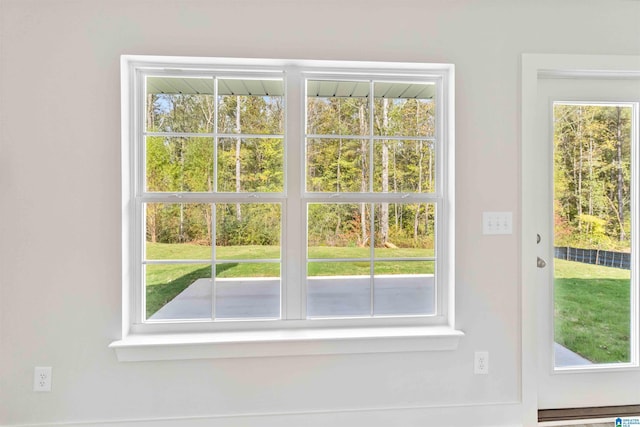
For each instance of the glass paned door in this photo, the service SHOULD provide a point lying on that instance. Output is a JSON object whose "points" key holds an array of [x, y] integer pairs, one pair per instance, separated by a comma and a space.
{"points": [[586, 210]]}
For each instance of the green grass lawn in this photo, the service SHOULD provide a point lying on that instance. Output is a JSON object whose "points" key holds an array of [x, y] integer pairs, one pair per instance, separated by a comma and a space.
{"points": [[592, 310], [186, 251]]}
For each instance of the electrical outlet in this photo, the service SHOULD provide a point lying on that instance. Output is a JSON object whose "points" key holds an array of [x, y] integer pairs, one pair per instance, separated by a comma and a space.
{"points": [[42, 378], [497, 222], [481, 363]]}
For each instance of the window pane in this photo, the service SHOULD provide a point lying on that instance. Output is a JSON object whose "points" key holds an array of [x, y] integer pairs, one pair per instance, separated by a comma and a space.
{"points": [[339, 289], [178, 291], [250, 165], [593, 210], [178, 230], [250, 106], [404, 288], [404, 230], [247, 290], [179, 104], [338, 230], [179, 164], [404, 109], [337, 107], [248, 230], [337, 165], [404, 166]]}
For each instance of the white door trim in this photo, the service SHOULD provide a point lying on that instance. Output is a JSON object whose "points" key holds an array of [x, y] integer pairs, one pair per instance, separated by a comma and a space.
{"points": [[534, 67]]}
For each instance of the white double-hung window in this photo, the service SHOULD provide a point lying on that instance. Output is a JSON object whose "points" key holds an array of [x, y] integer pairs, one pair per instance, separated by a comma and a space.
{"points": [[297, 199]]}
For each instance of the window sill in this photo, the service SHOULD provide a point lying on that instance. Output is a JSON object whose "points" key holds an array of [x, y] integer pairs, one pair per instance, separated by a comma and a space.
{"points": [[285, 342]]}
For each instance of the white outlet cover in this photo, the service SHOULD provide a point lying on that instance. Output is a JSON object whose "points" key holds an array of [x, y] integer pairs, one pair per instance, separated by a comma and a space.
{"points": [[42, 378], [481, 363]]}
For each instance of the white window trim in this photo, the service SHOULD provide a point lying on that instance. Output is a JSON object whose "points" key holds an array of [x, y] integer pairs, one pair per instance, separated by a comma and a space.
{"points": [[289, 336]]}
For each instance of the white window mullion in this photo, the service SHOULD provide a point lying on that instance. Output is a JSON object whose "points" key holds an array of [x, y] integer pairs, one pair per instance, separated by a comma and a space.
{"points": [[213, 205], [445, 216], [294, 233], [213, 260], [138, 187], [372, 206]]}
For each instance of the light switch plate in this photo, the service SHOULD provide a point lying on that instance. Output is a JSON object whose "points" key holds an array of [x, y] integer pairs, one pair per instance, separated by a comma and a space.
{"points": [[497, 223]]}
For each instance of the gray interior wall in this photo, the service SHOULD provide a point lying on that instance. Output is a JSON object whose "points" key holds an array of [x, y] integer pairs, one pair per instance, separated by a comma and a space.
{"points": [[60, 230]]}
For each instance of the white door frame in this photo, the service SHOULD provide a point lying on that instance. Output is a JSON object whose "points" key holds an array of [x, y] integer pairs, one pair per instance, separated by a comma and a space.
{"points": [[532, 65]]}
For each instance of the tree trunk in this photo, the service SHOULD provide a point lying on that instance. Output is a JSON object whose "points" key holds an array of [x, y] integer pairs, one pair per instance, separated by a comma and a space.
{"points": [[363, 181], [416, 218], [579, 141], [395, 185], [620, 181], [238, 144], [591, 176], [152, 221], [208, 219], [181, 233], [384, 207], [150, 112], [430, 182], [338, 166]]}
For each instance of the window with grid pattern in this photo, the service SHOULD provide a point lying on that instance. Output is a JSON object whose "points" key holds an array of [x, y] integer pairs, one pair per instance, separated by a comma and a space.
{"points": [[306, 191]]}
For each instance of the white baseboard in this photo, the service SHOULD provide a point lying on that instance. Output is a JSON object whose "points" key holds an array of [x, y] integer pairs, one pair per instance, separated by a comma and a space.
{"points": [[498, 415]]}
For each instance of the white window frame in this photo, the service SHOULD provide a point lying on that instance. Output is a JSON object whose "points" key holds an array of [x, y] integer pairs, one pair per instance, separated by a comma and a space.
{"points": [[293, 333]]}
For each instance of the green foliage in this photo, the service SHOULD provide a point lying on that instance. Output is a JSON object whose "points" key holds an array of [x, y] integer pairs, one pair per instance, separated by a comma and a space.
{"points": [[592, 176], [341, 225], [259, 224], [251, 164]]}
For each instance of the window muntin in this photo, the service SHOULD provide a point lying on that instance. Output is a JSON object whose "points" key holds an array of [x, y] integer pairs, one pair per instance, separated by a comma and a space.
{"points": [[213, 182]]}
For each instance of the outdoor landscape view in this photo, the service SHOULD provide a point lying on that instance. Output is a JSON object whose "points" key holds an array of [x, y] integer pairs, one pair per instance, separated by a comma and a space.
{"points": [[592, 204], [234, 144]]}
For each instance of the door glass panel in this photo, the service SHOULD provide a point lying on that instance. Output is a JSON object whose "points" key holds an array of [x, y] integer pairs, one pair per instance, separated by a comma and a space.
{"points": [[592, 234]]}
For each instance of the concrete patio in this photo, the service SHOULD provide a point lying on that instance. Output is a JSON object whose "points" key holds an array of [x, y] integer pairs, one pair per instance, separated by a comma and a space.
{"points": [[328, 296]]}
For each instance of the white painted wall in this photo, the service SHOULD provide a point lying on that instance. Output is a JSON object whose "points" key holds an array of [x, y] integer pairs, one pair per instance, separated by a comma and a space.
{"points": [[60, 204]]}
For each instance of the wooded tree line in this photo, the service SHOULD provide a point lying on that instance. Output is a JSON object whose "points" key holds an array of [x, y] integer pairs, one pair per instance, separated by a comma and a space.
{"points": [[338, 165], [592, 176], [338, 160]]}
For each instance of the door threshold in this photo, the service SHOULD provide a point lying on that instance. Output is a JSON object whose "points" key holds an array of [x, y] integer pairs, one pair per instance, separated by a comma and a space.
{"points": [[593, 413]]}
